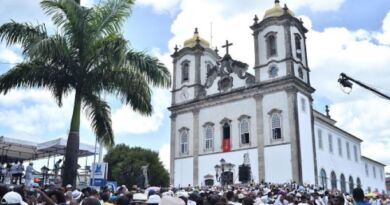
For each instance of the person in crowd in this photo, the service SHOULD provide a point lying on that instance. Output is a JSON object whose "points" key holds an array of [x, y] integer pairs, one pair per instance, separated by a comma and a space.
{"points": [[57, 167], [14, 173], [19, 172], [358, 196], [91, 201], [29, 174]]}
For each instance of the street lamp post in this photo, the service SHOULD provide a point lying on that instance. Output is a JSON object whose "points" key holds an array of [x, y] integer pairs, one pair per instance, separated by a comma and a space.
{"points": [[220, 170], [346, 85]]}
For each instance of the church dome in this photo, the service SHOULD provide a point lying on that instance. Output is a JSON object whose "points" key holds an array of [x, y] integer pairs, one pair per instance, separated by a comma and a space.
{"points": [[277, 10], [192, 41]]}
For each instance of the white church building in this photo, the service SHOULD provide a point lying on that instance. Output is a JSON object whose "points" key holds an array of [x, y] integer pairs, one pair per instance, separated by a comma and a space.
{"points": [[220, 111]]}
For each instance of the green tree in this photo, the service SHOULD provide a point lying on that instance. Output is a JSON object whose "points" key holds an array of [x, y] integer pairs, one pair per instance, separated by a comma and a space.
{"points": [[87, 55], [124, 165]]}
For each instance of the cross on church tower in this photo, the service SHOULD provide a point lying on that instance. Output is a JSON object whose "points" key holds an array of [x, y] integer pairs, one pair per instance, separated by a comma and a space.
{"points": [[227, 46]]}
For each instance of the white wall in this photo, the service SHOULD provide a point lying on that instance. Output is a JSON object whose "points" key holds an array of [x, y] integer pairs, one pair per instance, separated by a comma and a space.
{"points": [[376, 183], [183, 172], [278, 101], [341, 164], [277, 161], [264, 71], [306, 140], [231, 111], [207, 163]]}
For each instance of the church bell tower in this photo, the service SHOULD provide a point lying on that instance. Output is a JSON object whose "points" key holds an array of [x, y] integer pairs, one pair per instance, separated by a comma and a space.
{"points": [[281, 69]]}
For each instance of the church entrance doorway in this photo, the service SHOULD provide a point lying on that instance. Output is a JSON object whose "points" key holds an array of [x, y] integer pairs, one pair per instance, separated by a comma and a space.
{"points": [[226, 138]]}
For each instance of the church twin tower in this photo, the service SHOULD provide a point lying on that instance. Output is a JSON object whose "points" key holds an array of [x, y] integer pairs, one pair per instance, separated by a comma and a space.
{"points": [[222, 111]]}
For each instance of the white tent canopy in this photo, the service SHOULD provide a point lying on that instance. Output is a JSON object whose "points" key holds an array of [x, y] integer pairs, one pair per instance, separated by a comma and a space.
{"points": [[15, 149]]}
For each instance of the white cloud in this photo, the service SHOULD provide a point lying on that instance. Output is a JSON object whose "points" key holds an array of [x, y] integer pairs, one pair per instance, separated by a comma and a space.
{"points": [[384, 37], [159, 5], [125, 120], [164, 154], [8, 55]]}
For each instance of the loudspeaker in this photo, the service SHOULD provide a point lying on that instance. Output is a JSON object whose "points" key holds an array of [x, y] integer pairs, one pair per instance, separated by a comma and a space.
{"points": [[244, 173]]}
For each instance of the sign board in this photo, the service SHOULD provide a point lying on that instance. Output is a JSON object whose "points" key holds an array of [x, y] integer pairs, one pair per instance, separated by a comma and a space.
{"points": [[99, 174], [98, 182], [99, 170]]}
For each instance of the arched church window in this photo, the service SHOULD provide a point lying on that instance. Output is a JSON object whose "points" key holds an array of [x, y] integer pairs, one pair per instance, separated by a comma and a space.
{"points": [[298, 46], [184, 140], [209, 136], [351, 184], [323, 179], [343, 184], [300, 73], [358, 183], [273, 71], [333, 180], [185, 66], [276, 126], [244, 128], [226, 143], [271, 44]]}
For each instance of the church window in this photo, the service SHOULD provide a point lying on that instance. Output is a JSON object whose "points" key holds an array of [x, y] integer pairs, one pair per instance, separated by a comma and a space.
{"points": [[271, 44], [185, 66], [351, 184], [244, 127], [184, 140], [348, 151], [374, 171], [303, 104], [333, 180], [298, 47], [300, 72], [320, 145], [343, 186], [340, 147], [367, 171], [273, 71], [208, 136], [355, 153], [323, 179], [276, 126], [330, 139], [226, 143], [358, 182]]}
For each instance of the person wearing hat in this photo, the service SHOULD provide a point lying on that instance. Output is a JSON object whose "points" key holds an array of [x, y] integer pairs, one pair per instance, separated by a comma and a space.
{"points": [[139, 199], [153, 199], [12, 198]]}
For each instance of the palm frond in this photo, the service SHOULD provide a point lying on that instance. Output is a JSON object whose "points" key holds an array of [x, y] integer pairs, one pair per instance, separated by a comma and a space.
{"points": [[54, 48], [70, 16], [100, 115], [154, 71], [108, 17], [30, 74], [129, 86], [22, 33]]}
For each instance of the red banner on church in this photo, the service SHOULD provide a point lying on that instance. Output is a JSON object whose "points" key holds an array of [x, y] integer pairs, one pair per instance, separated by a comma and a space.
{"points": [[226, 145]]}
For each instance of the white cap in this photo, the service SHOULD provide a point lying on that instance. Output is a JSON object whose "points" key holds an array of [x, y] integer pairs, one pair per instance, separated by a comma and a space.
{"points": [[68, 186], [139, 197], [12, 198], [153, 199], [168, 200]]}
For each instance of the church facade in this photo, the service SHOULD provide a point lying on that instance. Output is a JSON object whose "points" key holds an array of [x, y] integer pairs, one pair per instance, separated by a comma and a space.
{"points": [[265, 121]]}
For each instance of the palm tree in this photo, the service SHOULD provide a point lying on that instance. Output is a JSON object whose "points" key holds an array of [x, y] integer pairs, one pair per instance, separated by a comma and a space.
{"points": [[88, 55]]}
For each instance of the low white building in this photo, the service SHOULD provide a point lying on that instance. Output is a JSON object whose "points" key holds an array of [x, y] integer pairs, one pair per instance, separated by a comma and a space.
{"points": [[265, 121]]}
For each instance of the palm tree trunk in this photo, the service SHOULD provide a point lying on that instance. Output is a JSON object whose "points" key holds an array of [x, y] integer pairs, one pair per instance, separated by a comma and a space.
{"points": [[72, 146]]}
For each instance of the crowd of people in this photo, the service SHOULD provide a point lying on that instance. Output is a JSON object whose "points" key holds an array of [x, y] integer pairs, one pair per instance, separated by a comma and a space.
{"points": [[264, 193], [16, 173]]}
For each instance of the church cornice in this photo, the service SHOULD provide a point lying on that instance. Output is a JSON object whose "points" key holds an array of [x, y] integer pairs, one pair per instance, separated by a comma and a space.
{"points": [[283, 60], [193, 51], [281, 84], [284, 20]]}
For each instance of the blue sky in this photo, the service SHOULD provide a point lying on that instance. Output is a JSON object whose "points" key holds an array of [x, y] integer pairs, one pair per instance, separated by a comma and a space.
{"points": [[156, 26]]}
